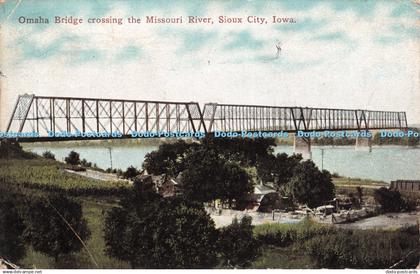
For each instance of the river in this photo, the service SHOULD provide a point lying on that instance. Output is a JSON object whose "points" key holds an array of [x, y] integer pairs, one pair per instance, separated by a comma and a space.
{"points": [[383, 163]]}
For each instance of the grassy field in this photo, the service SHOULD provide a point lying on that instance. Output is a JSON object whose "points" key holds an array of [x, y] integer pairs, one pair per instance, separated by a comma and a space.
{"points": [[50, 175]]}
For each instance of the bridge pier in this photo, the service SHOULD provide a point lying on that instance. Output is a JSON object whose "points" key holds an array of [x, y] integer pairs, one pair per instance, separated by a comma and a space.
{"points": [[302, 145], [364, 143]]}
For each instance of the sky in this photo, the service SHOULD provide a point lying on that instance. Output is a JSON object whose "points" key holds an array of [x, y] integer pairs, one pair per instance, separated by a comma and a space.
{"points": [[358, 54]]}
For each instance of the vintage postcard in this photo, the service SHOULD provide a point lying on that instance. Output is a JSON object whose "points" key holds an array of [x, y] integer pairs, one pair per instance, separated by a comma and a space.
{"points": [[218, 134]]}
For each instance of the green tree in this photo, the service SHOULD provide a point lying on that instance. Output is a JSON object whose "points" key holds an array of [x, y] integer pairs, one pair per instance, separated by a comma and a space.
{"points": [[237, 245], [73, 158], [277, 169], [48, 155], [245, 151], [311, 186], [210, 176], [168, 159], [391, 200], [130, 173], [154, 232], [12, 245], [47, 230]]}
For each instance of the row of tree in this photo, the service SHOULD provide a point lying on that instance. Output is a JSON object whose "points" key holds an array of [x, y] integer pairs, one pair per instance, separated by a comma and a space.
{"points": [[150, 231], [218, 168]]}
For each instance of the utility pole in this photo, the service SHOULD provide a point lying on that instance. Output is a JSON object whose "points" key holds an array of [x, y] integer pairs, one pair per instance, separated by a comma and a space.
{"points": [[322, 159], [110, 156]]}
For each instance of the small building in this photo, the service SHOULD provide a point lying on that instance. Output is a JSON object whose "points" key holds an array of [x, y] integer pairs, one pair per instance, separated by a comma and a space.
{"points": [[406, 185], [169, 188]]}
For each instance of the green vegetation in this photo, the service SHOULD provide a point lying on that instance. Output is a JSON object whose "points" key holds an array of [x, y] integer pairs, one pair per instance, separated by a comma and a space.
{"points": [[52, 223], [12, 244], [310, 185], [392, 201], [150, 231], [49, 175], [311, 245], [237, 245], [73, 158]]}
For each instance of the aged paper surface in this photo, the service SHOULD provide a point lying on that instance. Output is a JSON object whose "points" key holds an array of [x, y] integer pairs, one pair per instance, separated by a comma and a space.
{"points": [[90, 90]]}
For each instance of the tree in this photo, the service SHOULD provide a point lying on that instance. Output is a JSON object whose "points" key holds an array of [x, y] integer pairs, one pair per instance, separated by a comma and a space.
{"points": [[277, 169], [310, 185], [391, 200], [245, 151], [168, 159], [12, 244], [48, 155], [209, 176], [237, 245], [73, 158], [150, 231], [131, 172], [47, 226]]}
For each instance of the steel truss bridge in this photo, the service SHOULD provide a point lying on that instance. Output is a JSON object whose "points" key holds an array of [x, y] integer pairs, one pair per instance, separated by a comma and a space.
{"points": [[44, 114]]}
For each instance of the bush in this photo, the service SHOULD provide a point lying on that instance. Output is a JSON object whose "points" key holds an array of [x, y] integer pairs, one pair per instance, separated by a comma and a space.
{"points": [[282, 235], [12, 150], [48, 155], [73, 158], [391, 201], [130, 173], [363, 248], [237, 244]]}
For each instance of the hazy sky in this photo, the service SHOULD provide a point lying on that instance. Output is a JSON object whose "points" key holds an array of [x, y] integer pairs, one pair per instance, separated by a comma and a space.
{"points": [[338, 54]]}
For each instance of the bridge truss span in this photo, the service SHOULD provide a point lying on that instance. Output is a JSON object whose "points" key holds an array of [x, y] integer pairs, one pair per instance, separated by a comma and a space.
{"points": [[228, 117], [44, 114]]}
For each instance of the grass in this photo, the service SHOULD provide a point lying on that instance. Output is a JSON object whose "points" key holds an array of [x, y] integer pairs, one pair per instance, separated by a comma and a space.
{"points": [[292, 257], [47, 174]]}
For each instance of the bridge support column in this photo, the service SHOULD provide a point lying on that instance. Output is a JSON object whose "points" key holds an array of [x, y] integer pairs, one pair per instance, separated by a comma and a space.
{"points": [[364, 143], [302, 145]]}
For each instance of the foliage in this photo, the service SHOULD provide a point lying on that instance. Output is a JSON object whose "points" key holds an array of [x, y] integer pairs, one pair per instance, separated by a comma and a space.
{"points": [[277, 168], [13, 150], [48, 155], [391, 200], [237, 245], [73, 158], [130, 173], [362, 248], [283, 235], [211, 177], [49, 176], [47, 230], [168, 159], [311, 186], [245, 151], [154, 232], [12, 245]]}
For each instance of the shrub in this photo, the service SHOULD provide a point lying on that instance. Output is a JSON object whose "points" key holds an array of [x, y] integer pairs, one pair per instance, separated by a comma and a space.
{"points": [[237, 244], [48, 155], [73, 158], [391, 200], [131, 172], [362, 248]]}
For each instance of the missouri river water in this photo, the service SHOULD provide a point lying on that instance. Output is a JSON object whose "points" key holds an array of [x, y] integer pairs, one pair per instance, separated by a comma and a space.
{"points": [[383, 163]]}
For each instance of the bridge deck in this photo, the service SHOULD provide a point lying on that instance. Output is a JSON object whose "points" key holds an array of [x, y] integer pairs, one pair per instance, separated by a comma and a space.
{"points": [[43, 114]]}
